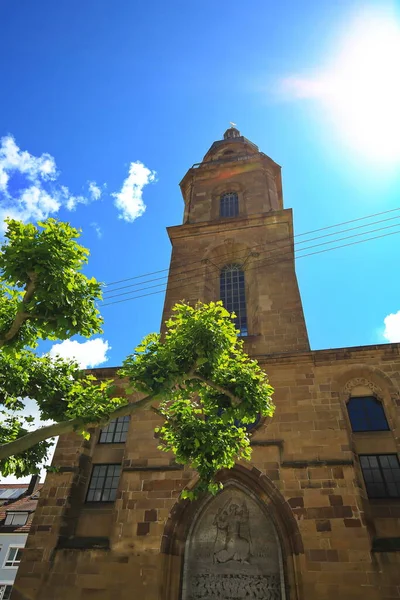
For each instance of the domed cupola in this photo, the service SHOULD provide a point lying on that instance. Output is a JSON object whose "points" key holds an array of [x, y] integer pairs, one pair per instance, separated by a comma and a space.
{"points": [[232, 132]]}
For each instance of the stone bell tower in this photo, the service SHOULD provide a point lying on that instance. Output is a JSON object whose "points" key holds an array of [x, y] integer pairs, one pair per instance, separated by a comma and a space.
{"points": [[236, 244]]}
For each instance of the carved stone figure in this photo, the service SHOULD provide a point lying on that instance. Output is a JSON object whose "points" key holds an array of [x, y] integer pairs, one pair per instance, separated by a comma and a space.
{"points": [[233, 551], [233, 532]]}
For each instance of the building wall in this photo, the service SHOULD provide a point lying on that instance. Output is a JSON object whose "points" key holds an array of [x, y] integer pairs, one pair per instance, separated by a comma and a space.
{"points": [[7, 574], [304, 468]]}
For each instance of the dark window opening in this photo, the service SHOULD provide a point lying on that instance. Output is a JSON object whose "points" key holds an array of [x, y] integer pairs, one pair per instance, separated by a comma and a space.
{"points": [[115, 432], [233, 296], [381, 475], [103, 483], [5, 591], [367, 414], [229, 205]]}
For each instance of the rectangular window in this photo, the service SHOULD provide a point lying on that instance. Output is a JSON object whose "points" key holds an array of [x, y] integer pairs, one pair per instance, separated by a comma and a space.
{"points": [[13, 557], [16, 518], [103, 483], [5, 591], [381, 474], [115, 432]]}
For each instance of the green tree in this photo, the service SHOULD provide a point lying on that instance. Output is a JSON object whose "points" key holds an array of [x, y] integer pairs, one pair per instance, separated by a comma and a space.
{"points": [[196, 377]]}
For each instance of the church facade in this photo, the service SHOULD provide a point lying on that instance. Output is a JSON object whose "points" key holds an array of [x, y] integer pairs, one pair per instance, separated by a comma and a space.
{"points": [[314, 515]]}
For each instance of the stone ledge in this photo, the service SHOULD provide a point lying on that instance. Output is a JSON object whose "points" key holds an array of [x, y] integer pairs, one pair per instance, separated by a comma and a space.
{"points": [[83, 543], [278, 443], [153, 468], [329, 462]]}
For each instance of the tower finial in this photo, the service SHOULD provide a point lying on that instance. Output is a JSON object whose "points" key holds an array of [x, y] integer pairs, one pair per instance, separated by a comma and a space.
{"points": [[232, 132]]}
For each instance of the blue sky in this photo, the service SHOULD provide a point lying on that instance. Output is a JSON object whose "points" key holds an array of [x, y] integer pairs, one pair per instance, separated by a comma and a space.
{"points": [[89, 89]]}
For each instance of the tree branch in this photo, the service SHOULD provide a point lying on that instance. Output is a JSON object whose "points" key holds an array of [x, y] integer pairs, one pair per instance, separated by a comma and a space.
{"points": [[21, 315], [44, 433], [235, 400], [39, 435]]}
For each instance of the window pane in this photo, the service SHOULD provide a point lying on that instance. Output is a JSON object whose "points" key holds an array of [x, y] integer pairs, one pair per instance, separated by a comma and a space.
{"points": [[367, 414], [115, 431], [381, 474], [103, 488], [13, 557], [16, 519]]}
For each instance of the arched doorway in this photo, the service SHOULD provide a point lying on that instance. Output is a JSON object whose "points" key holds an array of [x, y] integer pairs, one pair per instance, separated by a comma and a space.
{"points": [[233, 550]]}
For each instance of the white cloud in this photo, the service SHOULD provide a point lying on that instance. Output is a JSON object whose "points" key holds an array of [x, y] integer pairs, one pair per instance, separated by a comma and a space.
{"points": [[94, 190], [36, 168], [359, 87], [38, 195], [88, 354], [129, 201], [392, 327]]}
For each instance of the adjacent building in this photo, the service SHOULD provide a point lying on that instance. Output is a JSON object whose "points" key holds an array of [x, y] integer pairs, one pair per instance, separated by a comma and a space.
{"points": [[17, 505], [315, 514]]}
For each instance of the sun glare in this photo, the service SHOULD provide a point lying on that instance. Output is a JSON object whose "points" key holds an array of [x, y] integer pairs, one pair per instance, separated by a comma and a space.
{"points": [[360, 88]]}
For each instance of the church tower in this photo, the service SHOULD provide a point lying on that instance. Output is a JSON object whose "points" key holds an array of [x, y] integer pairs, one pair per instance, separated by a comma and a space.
{"points": [[236, 244]]}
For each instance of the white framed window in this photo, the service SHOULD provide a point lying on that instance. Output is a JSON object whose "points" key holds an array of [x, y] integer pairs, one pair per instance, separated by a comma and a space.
{"points": [[13, 557], [5, 591], [16, 518]]}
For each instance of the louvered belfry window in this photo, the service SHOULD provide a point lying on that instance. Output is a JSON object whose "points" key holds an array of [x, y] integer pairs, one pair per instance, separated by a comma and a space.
{"points": [[229, 205]]}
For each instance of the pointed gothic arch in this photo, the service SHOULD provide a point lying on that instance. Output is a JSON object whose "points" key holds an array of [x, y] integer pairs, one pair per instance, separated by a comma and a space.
{"points": [[268, 513]]}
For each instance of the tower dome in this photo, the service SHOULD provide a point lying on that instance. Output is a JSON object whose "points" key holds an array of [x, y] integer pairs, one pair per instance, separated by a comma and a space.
{"points": [[230, 133]]}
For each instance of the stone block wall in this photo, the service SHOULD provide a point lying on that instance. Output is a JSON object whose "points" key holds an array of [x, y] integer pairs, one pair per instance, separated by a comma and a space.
{"points": [[304, 473]]}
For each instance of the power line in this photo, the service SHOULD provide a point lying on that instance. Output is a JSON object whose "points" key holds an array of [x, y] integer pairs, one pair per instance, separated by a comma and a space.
{"points": [[271, 264], [295, 236], [283, 239], [281, 248]]}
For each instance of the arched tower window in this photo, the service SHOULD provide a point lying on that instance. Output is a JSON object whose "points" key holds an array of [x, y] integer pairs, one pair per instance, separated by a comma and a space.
{"points": [[229, 205], [366, 414], [233, 295]]}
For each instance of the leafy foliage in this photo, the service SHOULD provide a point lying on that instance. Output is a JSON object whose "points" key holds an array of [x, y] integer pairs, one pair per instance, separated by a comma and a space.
{"points": [[209, 389], [196, 377]]}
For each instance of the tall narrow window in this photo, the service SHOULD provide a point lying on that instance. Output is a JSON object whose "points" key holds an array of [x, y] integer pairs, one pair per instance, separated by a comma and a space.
{"points": [[229, 205], [367, 414], [232, 293]]}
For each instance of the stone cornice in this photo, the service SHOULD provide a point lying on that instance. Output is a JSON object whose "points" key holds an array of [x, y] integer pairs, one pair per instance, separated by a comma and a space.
{"points": [[212, 228]]}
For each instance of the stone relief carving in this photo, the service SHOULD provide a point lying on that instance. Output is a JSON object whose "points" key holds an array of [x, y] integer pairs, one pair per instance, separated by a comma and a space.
{"points": [[361, 381], [233, 552], [233, 533]]}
